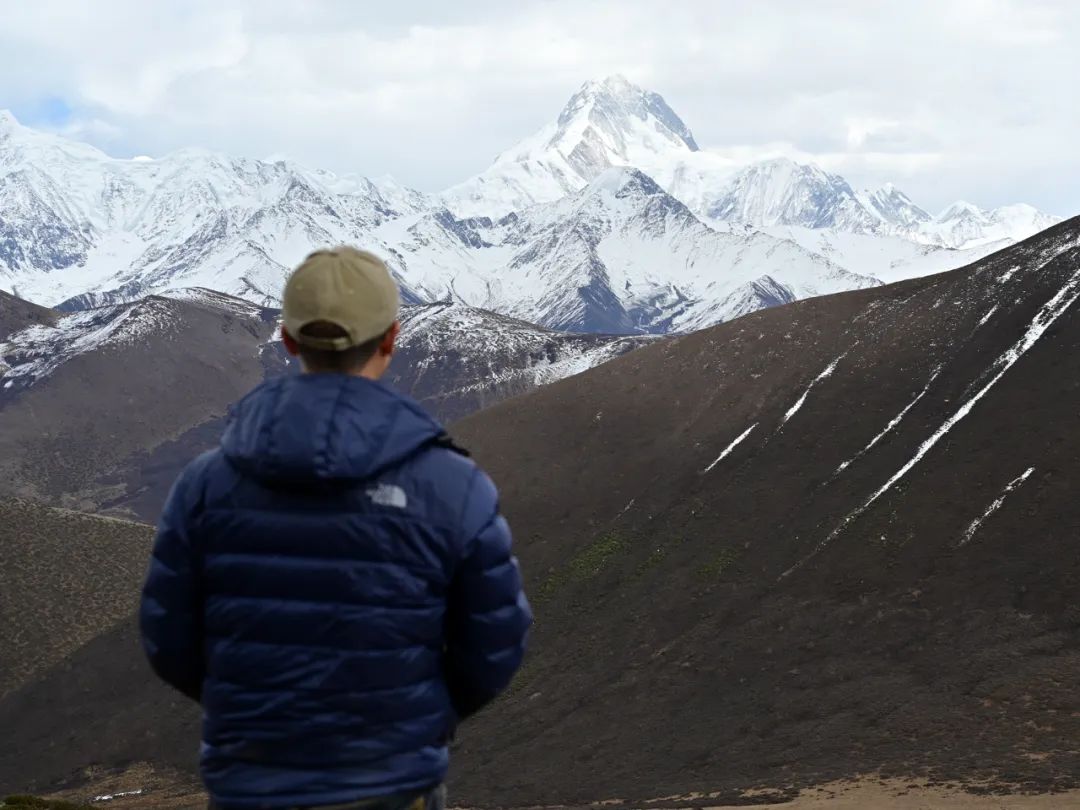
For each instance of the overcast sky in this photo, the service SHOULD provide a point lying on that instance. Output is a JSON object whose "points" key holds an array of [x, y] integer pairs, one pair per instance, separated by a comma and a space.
{"points": [[973, 99]]}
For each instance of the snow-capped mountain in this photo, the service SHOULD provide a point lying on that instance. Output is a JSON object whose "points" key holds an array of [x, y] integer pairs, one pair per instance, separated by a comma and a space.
{"points": [[783, 192], [606, 123], [615, 123], [886, 257], [894, 207], [76, 221], [965, 225], [620, 255], [611, 219]]}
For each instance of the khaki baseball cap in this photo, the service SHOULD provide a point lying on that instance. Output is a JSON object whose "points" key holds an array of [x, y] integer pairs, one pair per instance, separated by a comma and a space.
{"points": [[344, 286]]}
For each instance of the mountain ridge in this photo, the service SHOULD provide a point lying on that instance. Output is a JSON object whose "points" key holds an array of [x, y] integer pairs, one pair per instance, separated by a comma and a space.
{"points": [[83, 229], [103, 407], [539, 169]]}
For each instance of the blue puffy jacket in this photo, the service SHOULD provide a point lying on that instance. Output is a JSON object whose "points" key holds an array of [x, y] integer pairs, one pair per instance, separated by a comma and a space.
{"points": [[335, 584]]}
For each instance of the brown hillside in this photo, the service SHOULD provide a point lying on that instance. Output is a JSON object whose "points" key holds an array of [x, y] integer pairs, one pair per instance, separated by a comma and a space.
{"points": [[16, 314], [102, 412], [67, 577], [765, 618]]}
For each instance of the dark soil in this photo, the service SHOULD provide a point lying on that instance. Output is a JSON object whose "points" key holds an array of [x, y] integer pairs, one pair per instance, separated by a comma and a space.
{"points": [[66, 577], [16, 314]]}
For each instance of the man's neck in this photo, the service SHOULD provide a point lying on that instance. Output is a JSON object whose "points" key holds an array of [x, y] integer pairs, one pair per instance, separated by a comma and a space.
{"points": [[367, 372]]}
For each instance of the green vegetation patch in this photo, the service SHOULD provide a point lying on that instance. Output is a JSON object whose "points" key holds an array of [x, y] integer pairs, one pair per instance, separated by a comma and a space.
{"points": [[654, 559], [725, 561], [587, 563], [591, 560]]}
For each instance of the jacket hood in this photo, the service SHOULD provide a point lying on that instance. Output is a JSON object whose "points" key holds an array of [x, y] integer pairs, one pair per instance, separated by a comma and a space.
{"points": [[324, 427]]}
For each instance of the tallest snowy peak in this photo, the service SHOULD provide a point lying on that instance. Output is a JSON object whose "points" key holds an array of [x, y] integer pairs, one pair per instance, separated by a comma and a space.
{"points": [[615, 86], [618, 108], [607, 123]]}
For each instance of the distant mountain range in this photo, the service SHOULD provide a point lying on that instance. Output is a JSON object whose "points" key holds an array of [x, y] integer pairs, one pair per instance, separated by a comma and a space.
{"points": [[610, 219], [615, 123], [101, 408]]}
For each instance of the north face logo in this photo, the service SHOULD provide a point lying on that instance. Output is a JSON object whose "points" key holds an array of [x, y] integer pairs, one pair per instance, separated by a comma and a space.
{"points": [[388, 495]]}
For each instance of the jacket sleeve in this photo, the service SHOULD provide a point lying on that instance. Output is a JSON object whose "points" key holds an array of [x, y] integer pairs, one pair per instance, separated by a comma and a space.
{"points": [[488, 614], [170, 615]]}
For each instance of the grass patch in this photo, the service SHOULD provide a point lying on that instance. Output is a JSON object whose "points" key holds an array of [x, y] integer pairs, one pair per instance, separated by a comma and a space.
{"points": [[591, 560], [724, 562], [654, 559], [586, 564]]}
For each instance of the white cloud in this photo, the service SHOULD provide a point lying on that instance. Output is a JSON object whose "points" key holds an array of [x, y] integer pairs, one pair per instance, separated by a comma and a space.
{"points": [[948, 98]]}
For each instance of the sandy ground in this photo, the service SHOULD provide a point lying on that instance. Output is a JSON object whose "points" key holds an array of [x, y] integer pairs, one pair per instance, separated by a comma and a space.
{"points": [[169, 791], [906, 796]]}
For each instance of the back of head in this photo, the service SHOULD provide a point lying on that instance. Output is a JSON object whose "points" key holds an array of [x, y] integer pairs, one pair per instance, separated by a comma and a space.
{"points": [[338, 307], [339, 313]]}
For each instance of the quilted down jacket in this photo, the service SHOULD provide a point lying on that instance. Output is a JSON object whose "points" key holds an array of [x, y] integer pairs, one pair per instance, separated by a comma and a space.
{"points": [[335, 584]]}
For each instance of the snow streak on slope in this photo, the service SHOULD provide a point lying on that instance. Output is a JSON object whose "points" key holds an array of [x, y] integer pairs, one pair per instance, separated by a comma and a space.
{"points": [[1010, 487], [892, 424], [1043, 320], [730, 447], [794, 409], [1005, 277], [989, 314]]}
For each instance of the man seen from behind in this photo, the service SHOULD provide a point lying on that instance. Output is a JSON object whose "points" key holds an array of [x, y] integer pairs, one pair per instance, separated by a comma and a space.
{"points": [[334, 583]]}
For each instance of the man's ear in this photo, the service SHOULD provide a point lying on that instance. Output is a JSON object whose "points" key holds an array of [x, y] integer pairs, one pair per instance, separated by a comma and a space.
{"points": [[386, 347], [291, 346]]}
